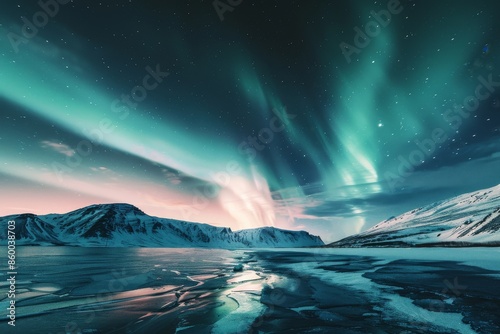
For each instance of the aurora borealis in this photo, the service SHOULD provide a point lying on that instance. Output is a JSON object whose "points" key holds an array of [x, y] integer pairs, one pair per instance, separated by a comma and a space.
{"points": [[255, 120]]}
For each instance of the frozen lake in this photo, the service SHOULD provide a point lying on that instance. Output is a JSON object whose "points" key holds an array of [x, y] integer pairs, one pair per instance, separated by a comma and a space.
{"points": [[144, 290]]}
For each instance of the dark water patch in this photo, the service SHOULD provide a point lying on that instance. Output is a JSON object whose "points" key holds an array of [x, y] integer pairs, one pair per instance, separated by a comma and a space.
{"points": [[446, 286]]}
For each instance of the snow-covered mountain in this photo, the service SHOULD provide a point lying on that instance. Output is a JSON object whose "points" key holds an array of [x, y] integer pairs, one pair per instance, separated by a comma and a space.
{"points": [[118, 225], [466, 220]]}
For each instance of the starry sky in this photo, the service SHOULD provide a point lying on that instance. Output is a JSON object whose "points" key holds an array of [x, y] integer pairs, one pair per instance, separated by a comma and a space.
{"points": [[325, 116]]}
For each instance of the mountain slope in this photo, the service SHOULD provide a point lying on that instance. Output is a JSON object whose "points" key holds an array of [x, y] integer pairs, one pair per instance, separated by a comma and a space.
{"points": [[121, 225], [466, 220]]}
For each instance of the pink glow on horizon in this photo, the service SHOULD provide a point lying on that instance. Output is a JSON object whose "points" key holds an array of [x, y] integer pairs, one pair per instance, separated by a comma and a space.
{"points": [[245, 204]]}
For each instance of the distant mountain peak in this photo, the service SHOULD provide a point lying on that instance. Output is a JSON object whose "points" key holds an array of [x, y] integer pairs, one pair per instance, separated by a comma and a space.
{"points": [[122, 207], [122, 224]]}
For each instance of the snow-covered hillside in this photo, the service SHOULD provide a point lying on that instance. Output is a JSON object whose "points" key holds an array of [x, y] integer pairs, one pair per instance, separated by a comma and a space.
{"points": [[117, 225], [466, 220]]}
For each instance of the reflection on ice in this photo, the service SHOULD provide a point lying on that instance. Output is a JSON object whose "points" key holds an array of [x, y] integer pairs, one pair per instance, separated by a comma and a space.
{"points": [[244, 277], [107, 290], [241, 319], [45, 287]]}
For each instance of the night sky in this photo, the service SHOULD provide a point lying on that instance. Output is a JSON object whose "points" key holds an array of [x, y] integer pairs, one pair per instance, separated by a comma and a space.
{"points": [[252, 114]]}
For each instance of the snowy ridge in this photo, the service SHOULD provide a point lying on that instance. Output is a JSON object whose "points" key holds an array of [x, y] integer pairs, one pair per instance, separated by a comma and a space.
{"points": [[121, 225], [466, 220]]}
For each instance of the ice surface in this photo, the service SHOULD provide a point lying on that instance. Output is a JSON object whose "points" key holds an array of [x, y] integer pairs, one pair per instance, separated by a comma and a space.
{"points": [[429, 290], [142, 290], [239, 321]]}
